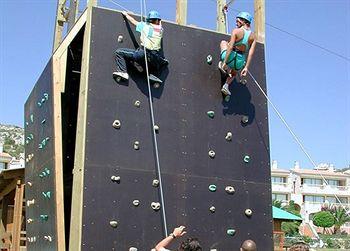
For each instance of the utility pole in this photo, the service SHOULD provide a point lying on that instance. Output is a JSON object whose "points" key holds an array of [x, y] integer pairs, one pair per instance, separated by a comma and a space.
{"points": [[221, 16], [259, 18], [91, 3], [60, 20], [73, 13], [181, 12]]}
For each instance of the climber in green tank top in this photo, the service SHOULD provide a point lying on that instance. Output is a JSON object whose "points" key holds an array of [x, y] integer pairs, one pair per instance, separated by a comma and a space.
{"points": [[237, 54]]}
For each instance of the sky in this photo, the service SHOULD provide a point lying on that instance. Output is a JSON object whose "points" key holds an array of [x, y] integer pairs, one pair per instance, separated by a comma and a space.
{"points": [[307, 66]]}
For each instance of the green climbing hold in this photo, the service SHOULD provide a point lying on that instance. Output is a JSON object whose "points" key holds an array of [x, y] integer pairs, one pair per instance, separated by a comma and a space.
{"points": [[44, 217], [39, 104], [212, 188], [209, 59], [40, 146], [231, 232], [211, 114], [246, 159], [47, 194]]}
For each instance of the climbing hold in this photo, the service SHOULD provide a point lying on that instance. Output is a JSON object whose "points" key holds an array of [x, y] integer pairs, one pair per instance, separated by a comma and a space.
{"points": [[230, 190], [209, 59], [39, 104], [231, 232], [29, 183], [211, 154], [136, 145], [156, 85], [46, 96], [43, 121], [47, 194], [156, 128], [115, 178], [228, 136], [243, 81], [212, 188], [30, 220], [155, 206], [31, 118], [136, 203], [137, 103], [27, 142], [212, 209], [31, 239], [248, 245], [120, 39], [27, 124], [155, 183], [246, 159], [48, 238], [30, 136], [132, 249], [40, 146], [30, 202], [211, 114], [248, 212], [245, 119], [44, 217], [116, 124], [113, 223]]}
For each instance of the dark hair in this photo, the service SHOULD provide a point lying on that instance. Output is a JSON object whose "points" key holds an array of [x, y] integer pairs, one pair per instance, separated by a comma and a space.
{"points": [[243, 20], [299, 246], [191, 244]]}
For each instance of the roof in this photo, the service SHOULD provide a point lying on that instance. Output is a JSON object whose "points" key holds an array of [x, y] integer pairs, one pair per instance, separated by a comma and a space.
{"points": [[278, 213], [313, 172]]}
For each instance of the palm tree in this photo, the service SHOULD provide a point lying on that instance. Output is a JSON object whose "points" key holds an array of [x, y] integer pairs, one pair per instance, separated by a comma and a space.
{"points": [[340, 217]]}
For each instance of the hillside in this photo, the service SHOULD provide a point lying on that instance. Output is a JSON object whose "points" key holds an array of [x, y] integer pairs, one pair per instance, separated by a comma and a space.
{"points": [[12, 138]]}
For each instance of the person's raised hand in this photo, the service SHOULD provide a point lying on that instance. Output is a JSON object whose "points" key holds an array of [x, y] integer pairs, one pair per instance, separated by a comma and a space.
{"points": [[179, 231]]}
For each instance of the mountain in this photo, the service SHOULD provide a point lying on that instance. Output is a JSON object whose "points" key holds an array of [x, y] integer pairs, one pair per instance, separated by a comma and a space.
{"points": [[12, 138]]}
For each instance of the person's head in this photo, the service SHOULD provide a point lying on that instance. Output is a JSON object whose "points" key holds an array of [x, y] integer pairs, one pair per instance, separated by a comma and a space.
{"points": [[248, 245], [243, 18], [191, 244], [153, 17], [299, 246]]}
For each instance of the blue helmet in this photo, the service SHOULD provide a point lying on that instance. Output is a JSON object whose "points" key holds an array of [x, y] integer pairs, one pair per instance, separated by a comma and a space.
{"points": [[153, 14], [246, 16]]}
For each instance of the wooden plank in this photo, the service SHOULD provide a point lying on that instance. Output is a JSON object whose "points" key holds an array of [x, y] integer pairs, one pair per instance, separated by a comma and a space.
{"points": [[17, 216], [13, 173], [8, 189], [259, 18], [79, 159], [181, 12]]}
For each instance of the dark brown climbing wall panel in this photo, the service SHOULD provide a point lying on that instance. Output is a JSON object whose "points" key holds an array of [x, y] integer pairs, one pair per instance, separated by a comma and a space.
{"points": [[191, 88], [39, 173]]}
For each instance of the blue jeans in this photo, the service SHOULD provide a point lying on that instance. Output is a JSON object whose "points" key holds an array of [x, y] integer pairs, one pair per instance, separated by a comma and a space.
{"points": [[123, 54]]}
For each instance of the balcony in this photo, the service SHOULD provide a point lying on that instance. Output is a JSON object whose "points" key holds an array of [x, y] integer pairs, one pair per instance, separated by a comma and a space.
{"points": [[279, 187], [325, 189]]}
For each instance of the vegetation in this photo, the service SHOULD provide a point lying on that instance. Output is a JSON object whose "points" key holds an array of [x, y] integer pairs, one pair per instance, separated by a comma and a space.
{"points": [[323, 219], [291, 228]]}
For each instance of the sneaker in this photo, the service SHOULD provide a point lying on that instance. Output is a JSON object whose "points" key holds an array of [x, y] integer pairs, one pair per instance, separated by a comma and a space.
{"points": [[225, 90], [123, 75], [154, 79]]}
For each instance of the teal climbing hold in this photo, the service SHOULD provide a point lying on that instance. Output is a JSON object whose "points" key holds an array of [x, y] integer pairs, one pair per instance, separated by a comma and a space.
{"points": [[46, 96], [44, 217], [212, 188], [43, 121], [27, 123], [40, 146], [209, 59], [231, 232], [47, 194], [246, 159], [31, 118], [211, 114], [39, 104]]}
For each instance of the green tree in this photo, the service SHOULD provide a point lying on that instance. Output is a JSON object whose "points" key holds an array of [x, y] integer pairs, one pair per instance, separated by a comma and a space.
{"points": [[291, 228], [340, 217], [323, 219], [277, 203]]}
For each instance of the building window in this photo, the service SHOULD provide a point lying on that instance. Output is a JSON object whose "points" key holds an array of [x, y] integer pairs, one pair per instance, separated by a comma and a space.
{"points": [[332, 200], [312, 182], [2, 166], [280, 197], [278, 179], [333, 183], [313, 199]]}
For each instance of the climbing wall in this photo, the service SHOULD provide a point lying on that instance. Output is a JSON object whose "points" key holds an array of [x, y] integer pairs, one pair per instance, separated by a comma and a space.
{"points": [[214, 155], [39, 174]]}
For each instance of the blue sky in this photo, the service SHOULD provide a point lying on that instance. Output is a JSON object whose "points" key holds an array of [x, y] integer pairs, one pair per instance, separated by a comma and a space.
{"points": [[309, 85]]}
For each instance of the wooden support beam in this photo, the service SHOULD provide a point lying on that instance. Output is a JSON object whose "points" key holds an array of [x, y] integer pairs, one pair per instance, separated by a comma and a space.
{"points": [[181, 12], [17, 216], [91, 3], [73, 13], [8, 189], [259, 18], [220, 16], [60, 20]]}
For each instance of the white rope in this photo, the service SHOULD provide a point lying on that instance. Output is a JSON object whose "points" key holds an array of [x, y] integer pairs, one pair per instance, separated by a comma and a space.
{"points": [[154, 133], [119, 5], [294, 136]]}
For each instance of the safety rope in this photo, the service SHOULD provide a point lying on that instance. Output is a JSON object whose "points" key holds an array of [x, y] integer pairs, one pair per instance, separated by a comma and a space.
{"points": [[294, 135], [143, 8]]}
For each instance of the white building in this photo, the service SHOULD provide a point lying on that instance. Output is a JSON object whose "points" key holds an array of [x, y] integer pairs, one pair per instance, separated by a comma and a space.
{"points": [[311, 188]]}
